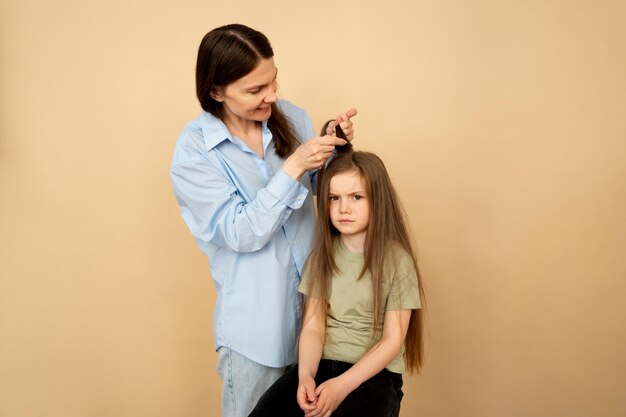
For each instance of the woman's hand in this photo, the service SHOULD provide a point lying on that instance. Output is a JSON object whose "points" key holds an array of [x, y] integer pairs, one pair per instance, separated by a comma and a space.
{"points": [[329, 395], [314, 153], [344, 120], [306, 394], [311, 155]]}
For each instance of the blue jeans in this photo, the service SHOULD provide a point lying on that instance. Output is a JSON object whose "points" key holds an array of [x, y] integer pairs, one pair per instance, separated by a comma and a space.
{"points": [[379, 396], [243, 382]]}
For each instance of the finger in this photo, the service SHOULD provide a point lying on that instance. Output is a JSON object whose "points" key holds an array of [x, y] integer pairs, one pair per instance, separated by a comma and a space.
{"points": [[330, 128], [307, 408], [326, 150], [302, 399], [321, 142], [321, 156], [347, 130], [316, 412], [324, 411], [346, 116], [351, 113], [329, 140]]}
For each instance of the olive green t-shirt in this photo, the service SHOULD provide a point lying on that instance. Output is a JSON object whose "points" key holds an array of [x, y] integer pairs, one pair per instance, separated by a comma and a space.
{"points": [[350, 319]]}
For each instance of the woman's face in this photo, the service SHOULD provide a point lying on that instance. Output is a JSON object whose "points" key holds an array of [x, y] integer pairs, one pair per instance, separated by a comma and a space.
{"points": [[251, 96]]}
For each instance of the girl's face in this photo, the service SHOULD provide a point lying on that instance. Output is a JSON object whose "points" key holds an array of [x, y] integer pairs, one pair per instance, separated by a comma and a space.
{"points": [[251, 96], [349, 208]]}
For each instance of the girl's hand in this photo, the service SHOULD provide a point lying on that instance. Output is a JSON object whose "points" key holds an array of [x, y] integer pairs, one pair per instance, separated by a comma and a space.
{"points": [[306, 394], [344, 119], [329, 395], [311, 155]]}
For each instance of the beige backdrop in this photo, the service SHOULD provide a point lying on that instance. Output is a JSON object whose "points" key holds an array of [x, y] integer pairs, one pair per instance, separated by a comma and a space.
{"points": [[503, 126]]}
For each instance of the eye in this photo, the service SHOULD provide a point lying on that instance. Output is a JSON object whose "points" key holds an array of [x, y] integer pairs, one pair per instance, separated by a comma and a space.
{"points": [[357, 197], [255, 91], [333, 198]]}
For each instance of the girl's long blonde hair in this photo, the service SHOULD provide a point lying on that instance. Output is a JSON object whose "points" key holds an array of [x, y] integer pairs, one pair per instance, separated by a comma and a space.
{"points": [[387, 225]]}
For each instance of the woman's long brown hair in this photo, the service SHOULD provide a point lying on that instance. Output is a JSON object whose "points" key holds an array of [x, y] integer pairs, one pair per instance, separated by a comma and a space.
{"points": [[228, 53], [387, 225]]}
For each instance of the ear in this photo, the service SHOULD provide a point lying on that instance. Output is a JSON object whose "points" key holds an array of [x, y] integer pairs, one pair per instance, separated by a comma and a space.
{"points": [[217, 94]]}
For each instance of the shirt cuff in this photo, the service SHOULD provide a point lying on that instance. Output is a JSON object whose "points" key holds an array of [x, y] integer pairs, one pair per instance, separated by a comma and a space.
{"points": [[287, 190]]}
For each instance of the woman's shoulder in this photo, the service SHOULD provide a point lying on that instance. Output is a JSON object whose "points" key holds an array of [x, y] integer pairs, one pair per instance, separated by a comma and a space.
{"points": [[288, 106], [198, 137], [189, 142], [298, 117], [294, 112]]}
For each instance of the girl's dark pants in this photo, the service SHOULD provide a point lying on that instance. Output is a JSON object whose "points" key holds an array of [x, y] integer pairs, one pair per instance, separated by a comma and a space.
{"points": [[379, 396]]}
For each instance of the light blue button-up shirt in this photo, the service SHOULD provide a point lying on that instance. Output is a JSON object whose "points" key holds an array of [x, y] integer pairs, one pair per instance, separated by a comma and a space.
{"points": [[255, 223]]}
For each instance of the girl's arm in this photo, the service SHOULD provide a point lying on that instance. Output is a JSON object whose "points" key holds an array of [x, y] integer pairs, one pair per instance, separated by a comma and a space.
{"points": [[332, 392], [310, 350]]}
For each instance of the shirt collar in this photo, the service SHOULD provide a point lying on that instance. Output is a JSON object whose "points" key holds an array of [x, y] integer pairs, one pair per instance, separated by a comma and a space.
{"points": [[214, 131]]}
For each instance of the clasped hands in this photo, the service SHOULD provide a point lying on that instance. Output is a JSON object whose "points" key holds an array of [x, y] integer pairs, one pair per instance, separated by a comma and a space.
{"points": [[321, 401]]}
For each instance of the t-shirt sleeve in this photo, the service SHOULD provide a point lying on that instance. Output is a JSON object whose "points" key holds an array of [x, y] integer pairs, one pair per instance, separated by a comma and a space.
{"points": [[404, 293], [304, 285]]}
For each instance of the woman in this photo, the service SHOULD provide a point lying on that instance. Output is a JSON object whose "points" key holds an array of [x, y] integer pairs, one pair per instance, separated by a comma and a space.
{"points": [[243, 175]]}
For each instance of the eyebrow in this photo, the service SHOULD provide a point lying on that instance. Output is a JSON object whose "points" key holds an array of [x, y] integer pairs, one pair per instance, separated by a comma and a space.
{"points": [[255, 86], [362, 192]]}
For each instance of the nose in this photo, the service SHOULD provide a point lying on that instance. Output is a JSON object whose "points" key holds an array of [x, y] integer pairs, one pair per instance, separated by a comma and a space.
{"points": [[344, 206], [271, 97]]}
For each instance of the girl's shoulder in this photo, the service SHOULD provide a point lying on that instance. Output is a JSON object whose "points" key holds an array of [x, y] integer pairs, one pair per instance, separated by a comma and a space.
{"points": [[394, 251], [397, 257]]}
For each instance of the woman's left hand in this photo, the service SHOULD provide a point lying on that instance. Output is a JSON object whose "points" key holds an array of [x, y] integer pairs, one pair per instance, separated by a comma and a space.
{"points": [[344, 120]]}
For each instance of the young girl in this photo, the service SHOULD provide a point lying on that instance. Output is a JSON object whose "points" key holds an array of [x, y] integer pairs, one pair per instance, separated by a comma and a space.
{"points": [[362, 322]]}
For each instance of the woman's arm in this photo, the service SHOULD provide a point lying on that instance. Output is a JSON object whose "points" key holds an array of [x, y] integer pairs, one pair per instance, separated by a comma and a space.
{"points": [[216, 210], [310, 352], [332, 392]]}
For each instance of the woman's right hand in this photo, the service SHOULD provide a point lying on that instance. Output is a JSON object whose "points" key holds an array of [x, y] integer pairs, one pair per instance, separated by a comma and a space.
{"points": [[311, 155], [306, 394]]}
